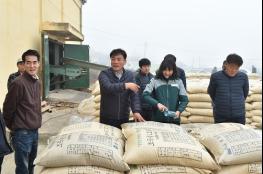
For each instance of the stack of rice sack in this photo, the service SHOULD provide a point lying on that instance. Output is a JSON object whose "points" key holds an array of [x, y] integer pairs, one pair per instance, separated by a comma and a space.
{"points": [[86, 148], [97, 97], [237, 148], [153, 147], [194, 76], [91, 106], [199, 106], [255, 100]]}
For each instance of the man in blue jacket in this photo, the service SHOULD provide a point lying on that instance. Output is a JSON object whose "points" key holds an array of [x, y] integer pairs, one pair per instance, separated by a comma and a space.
{"points": [[228, 90], [119, 92]]}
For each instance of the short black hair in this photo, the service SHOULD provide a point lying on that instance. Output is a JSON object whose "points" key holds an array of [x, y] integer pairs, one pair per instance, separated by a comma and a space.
{"points": [[234, 59], [144, 61], [224, 65], [118, 51], [170, 57], [30, 53], [166, 64]]}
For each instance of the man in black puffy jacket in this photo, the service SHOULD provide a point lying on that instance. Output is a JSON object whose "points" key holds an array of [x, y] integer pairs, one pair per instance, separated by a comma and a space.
{"points": [[119, 92], [228, 90]]}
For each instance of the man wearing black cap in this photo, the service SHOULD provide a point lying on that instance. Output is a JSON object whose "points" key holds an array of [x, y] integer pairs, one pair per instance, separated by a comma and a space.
{"points": [[21, 69]]}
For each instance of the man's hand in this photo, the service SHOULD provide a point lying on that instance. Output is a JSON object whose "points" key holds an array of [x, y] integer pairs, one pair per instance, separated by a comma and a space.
{"points": [[132, 86], [177, 113], [161, 107], [137, 117]]}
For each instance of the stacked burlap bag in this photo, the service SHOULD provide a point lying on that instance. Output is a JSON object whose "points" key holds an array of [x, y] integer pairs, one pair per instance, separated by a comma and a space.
{"points": [[199, 106], [91, 106], [153, 147], [200, 76], [97, 97], [88, 147], [237, 148], [255, 99]]}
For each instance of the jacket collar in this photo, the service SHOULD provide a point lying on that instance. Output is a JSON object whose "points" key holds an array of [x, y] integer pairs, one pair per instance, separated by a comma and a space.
{"points": [[224, 72], [141, 74], [29, 77]]}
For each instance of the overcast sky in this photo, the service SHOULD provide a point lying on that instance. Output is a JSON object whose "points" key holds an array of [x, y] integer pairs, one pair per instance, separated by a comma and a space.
{"points": [[198, 32]]}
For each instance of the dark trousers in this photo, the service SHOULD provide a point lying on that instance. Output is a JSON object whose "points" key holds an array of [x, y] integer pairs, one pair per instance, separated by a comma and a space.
{"points": [[147, 114], [25, 143], [1, 161], [231, 120], [114, 122]]}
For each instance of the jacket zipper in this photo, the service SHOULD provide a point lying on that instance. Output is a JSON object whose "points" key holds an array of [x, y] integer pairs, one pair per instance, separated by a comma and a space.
{"points": [[119, 106], [230, 98], [167, 93]]}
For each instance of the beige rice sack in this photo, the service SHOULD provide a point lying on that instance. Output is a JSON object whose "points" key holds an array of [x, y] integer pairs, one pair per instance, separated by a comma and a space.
{"points": [[199, 98], [164, 146], [197, 89], [256, 89], [84, 149], [256, 125], [184, 120], [97, 99], [93, 127], [248, 120], [94, 85], [232, 143], [194, 129], [96, 113], [257, 105], [248, 107], [200, 105], [200, 119], [149, 124], [253, 168], [198, 75], [97, 119], [79, 170], [249, 99], [97, 106], [257, 119], [256, 113], [254, 76], [249, 114], [185, 114], [86, 107], [162, 169], [96, 92], [201, 112], [256, 97]]}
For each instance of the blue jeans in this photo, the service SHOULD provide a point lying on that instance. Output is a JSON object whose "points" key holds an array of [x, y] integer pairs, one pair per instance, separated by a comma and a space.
{"points": [[25, 144]]}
